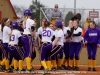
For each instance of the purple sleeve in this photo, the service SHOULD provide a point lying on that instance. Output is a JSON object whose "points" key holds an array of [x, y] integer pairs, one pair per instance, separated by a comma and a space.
{"points": [[86, 36]]}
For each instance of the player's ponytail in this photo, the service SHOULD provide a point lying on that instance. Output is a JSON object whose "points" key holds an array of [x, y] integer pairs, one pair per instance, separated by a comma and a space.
{"points": [[4, 20], [25, 18]]}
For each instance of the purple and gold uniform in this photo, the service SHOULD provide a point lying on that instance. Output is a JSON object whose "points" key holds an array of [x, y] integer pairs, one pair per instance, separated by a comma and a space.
{"points": [[47, 35], [92, 37], [27, 39], [57, 46], [17, 53]]}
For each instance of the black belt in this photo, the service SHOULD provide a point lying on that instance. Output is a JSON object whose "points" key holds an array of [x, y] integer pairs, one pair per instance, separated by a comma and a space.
{"points": [[76, 42]]}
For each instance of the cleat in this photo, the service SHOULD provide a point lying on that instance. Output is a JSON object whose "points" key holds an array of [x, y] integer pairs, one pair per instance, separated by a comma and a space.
{"points": [[64, 67], [77, 69], [41, 68], [30, 71], [2, 67], [53, 69], [89, 69], [15, 71], [9, 70], [21, 71], [94, 69], [59, 68]]}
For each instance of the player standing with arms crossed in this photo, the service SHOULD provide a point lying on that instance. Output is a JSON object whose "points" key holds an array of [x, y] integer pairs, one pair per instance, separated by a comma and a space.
{"points": [[92, 39], [27, 39]]}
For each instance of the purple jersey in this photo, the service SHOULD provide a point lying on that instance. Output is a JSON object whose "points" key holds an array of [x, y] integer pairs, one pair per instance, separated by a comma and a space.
{"points": [[92, 35]]}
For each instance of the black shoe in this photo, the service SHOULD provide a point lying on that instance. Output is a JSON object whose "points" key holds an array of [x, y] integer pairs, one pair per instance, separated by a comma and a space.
{"points": [[89, 69], [46, 71], [74, 67], [70, 69], [30, 71], [59, 68], [9, 70], [77, 69], [53, 69], [2, 67], [64, 67], [15, 71], [94, 69], [21, 71], [41, 68]]}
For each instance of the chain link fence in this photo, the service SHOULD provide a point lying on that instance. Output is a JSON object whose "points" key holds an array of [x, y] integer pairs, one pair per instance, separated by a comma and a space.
{"points": [[68, 13]]}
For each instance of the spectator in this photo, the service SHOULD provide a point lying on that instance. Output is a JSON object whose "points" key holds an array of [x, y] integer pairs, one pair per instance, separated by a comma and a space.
{"points": [[56, 15], [87, 22]]}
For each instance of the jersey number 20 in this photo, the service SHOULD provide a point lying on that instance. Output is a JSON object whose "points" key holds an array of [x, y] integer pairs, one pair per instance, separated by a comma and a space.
{"points": [[47, 33]]}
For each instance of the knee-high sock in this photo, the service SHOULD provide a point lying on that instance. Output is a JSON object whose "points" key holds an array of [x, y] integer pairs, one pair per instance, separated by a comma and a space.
{"points": [[71, 63], [15, 64], [44, 64], [77, 63], [3, 61], [59, 62], [20, 64], [54, 63], [28, 63], [48, 64], [12, 63], [89, 62], [0, 62], [94, 63], [7, 64]]}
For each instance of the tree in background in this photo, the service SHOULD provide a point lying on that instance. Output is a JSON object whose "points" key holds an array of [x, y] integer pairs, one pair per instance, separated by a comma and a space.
{"points": [[35, 8], [68, 17]]}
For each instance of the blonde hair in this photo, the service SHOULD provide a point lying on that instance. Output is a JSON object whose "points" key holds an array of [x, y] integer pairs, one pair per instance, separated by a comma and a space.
{"points": [[25, 18]]}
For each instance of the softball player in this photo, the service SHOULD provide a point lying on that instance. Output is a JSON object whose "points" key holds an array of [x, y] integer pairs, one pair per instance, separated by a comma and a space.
{"points": [[27, 39], [6, 35], [47, 35], [76, 44], [39, 39], [67, 41], [57, 46], [17, 53], [92, 38]]}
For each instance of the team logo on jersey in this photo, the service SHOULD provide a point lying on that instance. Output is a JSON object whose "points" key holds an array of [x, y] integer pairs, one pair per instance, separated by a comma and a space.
{"points": [[92, 34]]}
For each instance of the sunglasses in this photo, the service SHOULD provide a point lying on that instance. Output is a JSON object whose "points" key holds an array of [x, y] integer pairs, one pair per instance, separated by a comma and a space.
{"points": [[56, 6]]}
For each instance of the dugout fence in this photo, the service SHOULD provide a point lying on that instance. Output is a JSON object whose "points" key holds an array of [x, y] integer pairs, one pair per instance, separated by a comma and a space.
{"points": [[68, 13]]}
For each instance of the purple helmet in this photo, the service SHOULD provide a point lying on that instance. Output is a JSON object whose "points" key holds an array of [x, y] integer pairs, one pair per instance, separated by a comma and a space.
{"points": [[59, 24], [15, 25], [27, 12]]}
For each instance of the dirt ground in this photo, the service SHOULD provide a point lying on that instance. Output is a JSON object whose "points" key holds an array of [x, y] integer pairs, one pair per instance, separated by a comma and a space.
{"points": [[83, 66], [83, 57]]}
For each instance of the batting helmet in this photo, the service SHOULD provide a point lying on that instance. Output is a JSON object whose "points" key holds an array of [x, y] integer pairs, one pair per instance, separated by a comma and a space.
{"points": [[15, 25], [27, 12], [59, 24]]}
